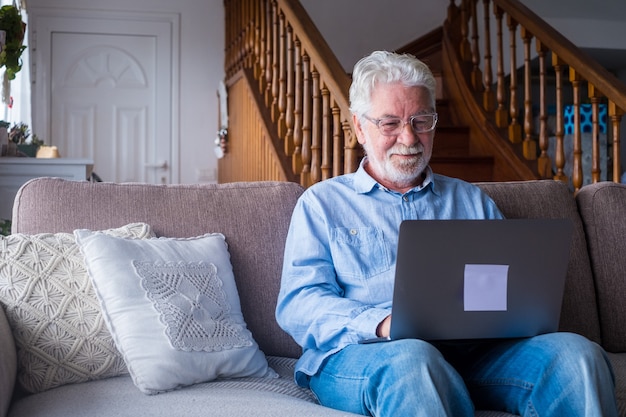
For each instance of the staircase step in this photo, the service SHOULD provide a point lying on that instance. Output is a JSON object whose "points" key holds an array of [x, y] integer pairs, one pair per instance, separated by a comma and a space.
{"points": [[468, 168], [451, 141], [444, 112]]}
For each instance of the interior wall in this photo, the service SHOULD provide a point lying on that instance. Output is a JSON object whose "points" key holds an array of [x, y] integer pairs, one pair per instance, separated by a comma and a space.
{"points": [[201, 53]]}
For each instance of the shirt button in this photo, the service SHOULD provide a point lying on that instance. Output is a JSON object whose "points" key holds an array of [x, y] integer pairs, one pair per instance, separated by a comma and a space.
{"points": [[353, 232], [405, 198]]}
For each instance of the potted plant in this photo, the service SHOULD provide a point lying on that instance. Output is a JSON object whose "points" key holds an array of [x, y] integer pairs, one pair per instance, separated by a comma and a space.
{"points": [[14, 28], [20, 134]]}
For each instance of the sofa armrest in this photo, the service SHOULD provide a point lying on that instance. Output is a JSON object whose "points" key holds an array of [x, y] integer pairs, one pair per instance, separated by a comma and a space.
{"points": [[8, 364]]}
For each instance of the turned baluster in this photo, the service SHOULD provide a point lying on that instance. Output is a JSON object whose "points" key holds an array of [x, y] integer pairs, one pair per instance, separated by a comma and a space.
{"points": [[502, 116], [453, 12], [337, 141], [595, 96], [577, 168], [241, 26], [262, 45], [544, 164], [249, 32], [316, 133], [257, 39], [306, 122], [275, 61], [464, 47], [559, 156], [282, 76], [529, 144], [515, 130], [289, 109], [615, 114], [327, 147], [488, 98], [476, 75], [269, 53], [296, 159], [351, 148]]}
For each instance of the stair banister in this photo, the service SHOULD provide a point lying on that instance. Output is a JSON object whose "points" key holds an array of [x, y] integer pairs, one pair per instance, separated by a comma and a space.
{"points": [[602, 85], [290, 93]]}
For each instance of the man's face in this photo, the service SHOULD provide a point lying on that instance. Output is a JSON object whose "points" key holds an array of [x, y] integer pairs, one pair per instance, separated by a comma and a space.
{"points": [[396, 162]]}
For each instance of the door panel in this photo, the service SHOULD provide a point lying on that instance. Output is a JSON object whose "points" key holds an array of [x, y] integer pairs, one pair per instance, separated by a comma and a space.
{"points": [[110, 95]]}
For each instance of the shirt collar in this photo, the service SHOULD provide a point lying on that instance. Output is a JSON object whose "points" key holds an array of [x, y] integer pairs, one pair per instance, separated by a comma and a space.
{"points": [[364, 183]]}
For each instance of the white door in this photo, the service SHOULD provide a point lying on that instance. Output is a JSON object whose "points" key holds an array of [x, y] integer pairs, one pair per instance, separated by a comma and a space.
{"points": [[108, 83]]}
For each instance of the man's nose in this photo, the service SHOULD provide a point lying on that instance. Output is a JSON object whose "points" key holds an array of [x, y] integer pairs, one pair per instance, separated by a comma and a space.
{"points": [[407, 136]]}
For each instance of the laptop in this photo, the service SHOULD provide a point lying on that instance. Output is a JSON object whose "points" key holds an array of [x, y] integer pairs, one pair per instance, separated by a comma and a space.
{"points": [[479, 279]]}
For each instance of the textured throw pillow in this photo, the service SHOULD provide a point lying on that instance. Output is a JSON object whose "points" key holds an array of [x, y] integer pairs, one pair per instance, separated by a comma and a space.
{"points": [[53, 311], [173, 309]]}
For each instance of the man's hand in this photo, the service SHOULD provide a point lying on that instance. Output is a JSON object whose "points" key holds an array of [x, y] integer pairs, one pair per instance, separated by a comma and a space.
{"points": [[383, 327]]}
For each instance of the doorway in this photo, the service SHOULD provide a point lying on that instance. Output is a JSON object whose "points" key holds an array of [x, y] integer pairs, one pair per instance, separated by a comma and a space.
{"points": [[104, 90]]}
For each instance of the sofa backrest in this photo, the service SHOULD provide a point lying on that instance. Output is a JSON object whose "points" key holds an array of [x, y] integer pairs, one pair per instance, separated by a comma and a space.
{"points": [[552, 199], [254, 218], [602, 207]]}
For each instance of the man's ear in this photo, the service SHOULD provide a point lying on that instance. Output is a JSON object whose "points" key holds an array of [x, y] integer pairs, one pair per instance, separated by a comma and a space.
{"points": [[358, 129]]}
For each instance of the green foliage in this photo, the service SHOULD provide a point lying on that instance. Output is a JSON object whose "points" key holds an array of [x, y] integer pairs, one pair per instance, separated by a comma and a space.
{"points": [[10, 57], [19, 133], [5, 227]]}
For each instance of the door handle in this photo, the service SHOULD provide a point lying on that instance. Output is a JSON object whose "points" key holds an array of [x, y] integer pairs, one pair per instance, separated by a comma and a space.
{"points": [[158, 165]]}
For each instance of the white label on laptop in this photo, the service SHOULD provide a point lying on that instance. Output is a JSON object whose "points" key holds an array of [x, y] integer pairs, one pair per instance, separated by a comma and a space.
{"points": [[485, 287]]}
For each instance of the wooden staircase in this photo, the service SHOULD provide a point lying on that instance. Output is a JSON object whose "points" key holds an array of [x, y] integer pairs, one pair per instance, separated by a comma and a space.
{"points": [[452, 153], [289, 116]]}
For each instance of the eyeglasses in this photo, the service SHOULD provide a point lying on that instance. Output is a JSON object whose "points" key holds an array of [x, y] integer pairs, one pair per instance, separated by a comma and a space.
{"points": [[392, 126]]}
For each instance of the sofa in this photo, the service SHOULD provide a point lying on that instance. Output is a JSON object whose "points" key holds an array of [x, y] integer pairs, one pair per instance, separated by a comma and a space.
{"points": [[253, 219]]}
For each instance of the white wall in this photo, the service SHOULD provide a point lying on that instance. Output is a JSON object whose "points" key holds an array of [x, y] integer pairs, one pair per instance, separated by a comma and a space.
{"points": [[354, 28], [201, 69]]}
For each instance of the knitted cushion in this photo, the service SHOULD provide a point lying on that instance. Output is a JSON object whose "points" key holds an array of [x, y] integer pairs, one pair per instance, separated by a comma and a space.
{"points": [[173, 309], [53, 311]]}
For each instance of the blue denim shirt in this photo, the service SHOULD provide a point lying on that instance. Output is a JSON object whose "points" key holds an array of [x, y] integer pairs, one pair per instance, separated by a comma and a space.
{"points": [[339, 264]]}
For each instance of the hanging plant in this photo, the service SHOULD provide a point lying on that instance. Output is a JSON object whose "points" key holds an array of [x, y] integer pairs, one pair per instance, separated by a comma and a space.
{"points": [[13, 26]]}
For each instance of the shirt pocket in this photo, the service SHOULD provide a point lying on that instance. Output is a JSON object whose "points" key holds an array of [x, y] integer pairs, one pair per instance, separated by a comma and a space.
{"points": [[359, 252]]}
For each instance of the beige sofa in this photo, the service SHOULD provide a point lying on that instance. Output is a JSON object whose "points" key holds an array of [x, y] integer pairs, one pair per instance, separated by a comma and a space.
{"points": [[254, 218]]}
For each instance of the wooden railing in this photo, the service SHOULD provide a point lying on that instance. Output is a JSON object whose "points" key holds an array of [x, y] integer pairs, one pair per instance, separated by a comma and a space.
{"points": [[288, 94], [302, 86], [554, 72]]}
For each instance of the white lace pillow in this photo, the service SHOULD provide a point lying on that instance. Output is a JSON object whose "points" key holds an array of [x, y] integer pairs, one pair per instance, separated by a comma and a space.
{"points": [[53, 310], [173, 309]]}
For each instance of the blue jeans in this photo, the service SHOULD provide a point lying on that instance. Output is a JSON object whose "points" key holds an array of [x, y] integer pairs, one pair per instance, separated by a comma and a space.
{"points": [[557, 374]]}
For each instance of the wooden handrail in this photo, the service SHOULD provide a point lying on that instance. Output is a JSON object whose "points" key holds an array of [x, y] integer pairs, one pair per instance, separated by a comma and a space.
{"points": [[573, 56], [525, 27], [302, 82]]}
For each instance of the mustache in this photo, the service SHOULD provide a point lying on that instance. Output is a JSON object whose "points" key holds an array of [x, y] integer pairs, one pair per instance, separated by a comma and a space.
{"points": [[406, 150]]}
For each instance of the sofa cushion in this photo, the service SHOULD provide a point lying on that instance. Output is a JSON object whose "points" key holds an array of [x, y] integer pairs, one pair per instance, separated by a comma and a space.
{"points": [[603, 209], [241, 397], [228, 398], [553, 199], [254, 216], [53, 311], [173, 309]]}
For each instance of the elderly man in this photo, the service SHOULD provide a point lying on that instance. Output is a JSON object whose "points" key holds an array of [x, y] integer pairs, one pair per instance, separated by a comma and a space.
{"points": [[338, 277]]}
